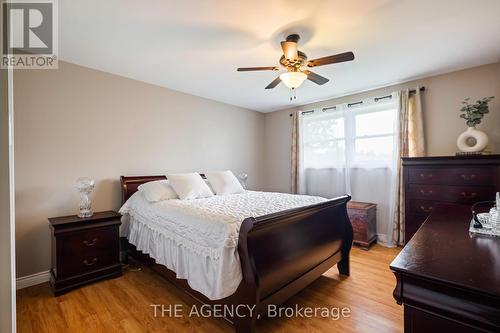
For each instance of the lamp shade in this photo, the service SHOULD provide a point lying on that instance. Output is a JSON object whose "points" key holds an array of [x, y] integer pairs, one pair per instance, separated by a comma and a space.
{"points": [[293, 79]]}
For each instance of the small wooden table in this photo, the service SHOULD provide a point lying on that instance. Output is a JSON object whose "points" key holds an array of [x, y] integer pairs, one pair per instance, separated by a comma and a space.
{"points": [[448, 279], [84, 250], [363, 216]]}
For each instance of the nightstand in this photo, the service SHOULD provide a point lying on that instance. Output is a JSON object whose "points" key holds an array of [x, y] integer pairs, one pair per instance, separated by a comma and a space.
{"points": [[84, 250]]}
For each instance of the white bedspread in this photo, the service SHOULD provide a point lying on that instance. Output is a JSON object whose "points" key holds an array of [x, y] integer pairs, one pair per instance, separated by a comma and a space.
{"points": [[198, 239]]}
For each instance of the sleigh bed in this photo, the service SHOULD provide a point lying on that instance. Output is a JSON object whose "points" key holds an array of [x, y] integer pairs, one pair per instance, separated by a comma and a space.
{"points": [[280, 254]]}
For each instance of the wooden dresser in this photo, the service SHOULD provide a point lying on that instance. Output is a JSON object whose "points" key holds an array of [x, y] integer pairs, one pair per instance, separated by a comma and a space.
{"points": [[84, 250], [429, 181], [448, 280]]}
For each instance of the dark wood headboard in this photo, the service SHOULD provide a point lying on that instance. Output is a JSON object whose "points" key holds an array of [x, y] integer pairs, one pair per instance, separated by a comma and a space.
{"points": [[129, 184]]}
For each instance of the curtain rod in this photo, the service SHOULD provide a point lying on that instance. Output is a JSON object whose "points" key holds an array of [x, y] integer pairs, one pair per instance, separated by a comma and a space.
{"points": [[411, 91]]}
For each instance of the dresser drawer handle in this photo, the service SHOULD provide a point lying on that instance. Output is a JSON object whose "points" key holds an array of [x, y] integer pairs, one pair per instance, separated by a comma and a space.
{"points": [[426, 210], [91, 243], [426, 193], [469, 195], [90, 263], [424, 176], [468, 177]]}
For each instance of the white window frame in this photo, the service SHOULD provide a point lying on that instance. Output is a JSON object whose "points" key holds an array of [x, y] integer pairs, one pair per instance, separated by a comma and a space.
{"points": [[349, 113]]}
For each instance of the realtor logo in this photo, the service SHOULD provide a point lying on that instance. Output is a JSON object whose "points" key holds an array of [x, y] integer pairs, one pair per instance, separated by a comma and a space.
{"points": [[29, 34]]}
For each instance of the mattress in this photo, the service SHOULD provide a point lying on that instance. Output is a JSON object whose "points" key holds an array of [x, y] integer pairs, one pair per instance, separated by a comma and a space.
{"points": [[198, 239]]}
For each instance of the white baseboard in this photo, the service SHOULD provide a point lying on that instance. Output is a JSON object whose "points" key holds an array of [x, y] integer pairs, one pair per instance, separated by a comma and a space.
{"points": [[32, 280]]}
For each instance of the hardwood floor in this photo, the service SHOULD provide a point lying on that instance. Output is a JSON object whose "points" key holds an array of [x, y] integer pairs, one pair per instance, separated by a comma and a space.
{"points": [[124, 304]]}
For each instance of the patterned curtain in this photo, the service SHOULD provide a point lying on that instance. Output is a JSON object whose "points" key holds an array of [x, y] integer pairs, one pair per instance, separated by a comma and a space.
{"points": [[295, 152], [411, 144]]}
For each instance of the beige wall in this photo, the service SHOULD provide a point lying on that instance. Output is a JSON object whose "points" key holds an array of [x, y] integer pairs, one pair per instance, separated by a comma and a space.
{"points": [[7, 295], [75, 121], [441, 101]]}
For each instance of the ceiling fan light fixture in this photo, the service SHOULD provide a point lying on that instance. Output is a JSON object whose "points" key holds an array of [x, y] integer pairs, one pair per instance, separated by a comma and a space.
{"points": [[297, 66], [293, 79]]}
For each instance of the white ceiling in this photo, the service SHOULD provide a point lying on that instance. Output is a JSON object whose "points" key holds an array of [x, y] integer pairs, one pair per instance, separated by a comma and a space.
{"points": [[196, 46]]}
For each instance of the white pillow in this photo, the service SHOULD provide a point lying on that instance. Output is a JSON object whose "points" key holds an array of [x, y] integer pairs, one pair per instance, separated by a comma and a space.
{"points": [[209, 186], [224, 182], [157, 190], [189, 186]]}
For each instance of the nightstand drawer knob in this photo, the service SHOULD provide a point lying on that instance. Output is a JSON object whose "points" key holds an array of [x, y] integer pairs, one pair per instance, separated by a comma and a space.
{"points": [[90, 263], [91, 243]]}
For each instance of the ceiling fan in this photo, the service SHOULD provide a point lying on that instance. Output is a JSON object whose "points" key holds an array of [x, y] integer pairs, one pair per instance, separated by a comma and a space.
{"points": [[297, 66]]}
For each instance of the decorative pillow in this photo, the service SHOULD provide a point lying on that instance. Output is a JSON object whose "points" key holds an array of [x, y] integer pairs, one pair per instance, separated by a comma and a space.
{"points": [[224, 182], [189, 186], [157, 190]]}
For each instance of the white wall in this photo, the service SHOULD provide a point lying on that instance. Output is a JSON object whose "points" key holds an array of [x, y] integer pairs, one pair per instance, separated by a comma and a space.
{"points": [[441, 102], [75, 121]]}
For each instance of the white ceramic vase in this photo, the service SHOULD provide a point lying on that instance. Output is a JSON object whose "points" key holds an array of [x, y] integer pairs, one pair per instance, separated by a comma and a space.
{"points": [[479, 138]]}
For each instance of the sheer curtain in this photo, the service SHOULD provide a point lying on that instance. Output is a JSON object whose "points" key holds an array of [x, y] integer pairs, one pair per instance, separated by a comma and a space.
{"points": [[350, 148]]}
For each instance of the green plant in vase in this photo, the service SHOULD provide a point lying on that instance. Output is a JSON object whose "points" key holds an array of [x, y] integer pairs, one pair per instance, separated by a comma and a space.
{"points": [[473, 140], [473, 113]]}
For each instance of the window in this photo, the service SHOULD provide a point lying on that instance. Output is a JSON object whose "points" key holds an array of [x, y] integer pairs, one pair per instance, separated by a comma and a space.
{"points": [[352, 150], [360, 136], [323, 140]]}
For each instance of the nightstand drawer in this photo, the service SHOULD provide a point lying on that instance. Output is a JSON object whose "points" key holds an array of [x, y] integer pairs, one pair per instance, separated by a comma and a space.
{"points": [[476, 176], [91, 240], [455, 194], [88, 261]]}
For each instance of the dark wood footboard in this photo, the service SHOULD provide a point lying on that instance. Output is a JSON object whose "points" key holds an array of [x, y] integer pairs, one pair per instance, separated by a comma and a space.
{"points": [[284, 252], [280, 254]]}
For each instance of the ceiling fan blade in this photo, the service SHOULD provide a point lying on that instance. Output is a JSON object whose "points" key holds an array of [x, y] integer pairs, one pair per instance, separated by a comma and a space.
{"points": [[316, 78], [273, 84], [290, 50], [248, 69], [341, 57]]}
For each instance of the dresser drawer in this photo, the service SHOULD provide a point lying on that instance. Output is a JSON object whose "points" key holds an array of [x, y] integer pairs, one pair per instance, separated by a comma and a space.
{"points": [[95, 239], [455, 194], [421, 207], [88, 261], [478, 176]]}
